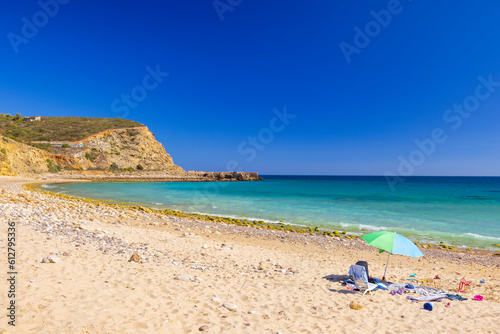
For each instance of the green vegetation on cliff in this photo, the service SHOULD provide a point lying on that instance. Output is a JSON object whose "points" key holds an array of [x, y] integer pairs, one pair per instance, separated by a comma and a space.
{"points": [[58, 128]]}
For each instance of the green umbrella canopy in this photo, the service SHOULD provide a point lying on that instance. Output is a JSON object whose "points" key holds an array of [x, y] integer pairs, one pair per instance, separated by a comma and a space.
{"points": [[393, 243]]}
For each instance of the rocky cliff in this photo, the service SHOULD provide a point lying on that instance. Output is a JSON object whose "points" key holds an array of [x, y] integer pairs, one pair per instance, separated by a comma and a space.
{"points": [[17, 158], [111, 150], [132, 149], [116, 154]]}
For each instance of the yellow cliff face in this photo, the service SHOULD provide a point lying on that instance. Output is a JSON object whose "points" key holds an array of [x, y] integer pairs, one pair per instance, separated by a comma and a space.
{"points": [[17, 158], [125, 149]]}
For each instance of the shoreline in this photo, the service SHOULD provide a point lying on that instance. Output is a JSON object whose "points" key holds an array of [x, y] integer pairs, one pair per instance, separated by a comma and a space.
{"points": [[34, 185], [277, 227], [264, 223], [277, 281]]}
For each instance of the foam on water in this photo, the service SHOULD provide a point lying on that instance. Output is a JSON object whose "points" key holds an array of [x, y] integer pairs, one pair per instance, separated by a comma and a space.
{"points": [[478, 236], [372, 228]]}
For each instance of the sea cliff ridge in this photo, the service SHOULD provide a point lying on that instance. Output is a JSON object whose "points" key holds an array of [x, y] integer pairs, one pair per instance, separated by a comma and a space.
{"points": [[92, 148]]}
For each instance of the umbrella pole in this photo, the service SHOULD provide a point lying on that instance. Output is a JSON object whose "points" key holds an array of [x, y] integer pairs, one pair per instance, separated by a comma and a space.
{"points": [[386, 265]]}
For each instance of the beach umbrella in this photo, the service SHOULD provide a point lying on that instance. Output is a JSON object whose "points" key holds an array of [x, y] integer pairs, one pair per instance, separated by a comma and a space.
{"points": [[392, 243]]}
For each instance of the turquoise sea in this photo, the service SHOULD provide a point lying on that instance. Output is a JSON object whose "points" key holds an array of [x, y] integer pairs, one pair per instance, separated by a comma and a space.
{"points": [[464, 211]]}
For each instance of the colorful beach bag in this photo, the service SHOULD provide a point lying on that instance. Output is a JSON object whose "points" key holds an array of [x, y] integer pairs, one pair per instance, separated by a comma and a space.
{"points": [[464, 286]]}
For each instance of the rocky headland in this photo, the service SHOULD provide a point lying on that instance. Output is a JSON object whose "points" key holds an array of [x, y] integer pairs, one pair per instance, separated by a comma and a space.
{"points": [[115, 154]]}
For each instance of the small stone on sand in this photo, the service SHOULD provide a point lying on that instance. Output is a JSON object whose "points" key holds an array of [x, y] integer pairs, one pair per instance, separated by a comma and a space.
{"points": [[230, 307], [50, 259], [135, 258], [356, 305], [53, 259], [185, 278]]}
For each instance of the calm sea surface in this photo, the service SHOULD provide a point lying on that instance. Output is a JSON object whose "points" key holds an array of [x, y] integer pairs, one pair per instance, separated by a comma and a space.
{"points": [[460, 210]]}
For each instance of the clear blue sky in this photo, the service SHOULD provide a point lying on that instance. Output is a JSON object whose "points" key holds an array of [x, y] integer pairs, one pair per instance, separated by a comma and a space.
{"points": [[226, 77]]}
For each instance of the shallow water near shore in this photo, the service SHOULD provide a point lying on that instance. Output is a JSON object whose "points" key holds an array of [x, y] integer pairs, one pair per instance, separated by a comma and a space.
{"points": [[464, 211]]}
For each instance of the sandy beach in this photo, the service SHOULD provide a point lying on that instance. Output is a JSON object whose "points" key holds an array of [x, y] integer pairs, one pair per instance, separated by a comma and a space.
{"points": [[200, 276]]}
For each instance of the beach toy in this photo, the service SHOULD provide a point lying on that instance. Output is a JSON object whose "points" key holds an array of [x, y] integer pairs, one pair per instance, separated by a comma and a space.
{"points": [[464, 285], [413, 275], [478, 298], [428, 306], [481, 281], [437, 277]]}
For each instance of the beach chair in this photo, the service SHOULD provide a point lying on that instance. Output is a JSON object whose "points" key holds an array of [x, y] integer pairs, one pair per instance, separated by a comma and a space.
{"points": [[358, 275]]}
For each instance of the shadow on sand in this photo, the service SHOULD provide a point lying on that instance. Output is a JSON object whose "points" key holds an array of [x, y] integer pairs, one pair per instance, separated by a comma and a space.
{"points": [[338, 279]]}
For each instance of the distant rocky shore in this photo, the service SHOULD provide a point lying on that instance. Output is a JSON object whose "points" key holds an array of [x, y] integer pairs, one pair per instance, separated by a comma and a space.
{"points": [[158, 176]]}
